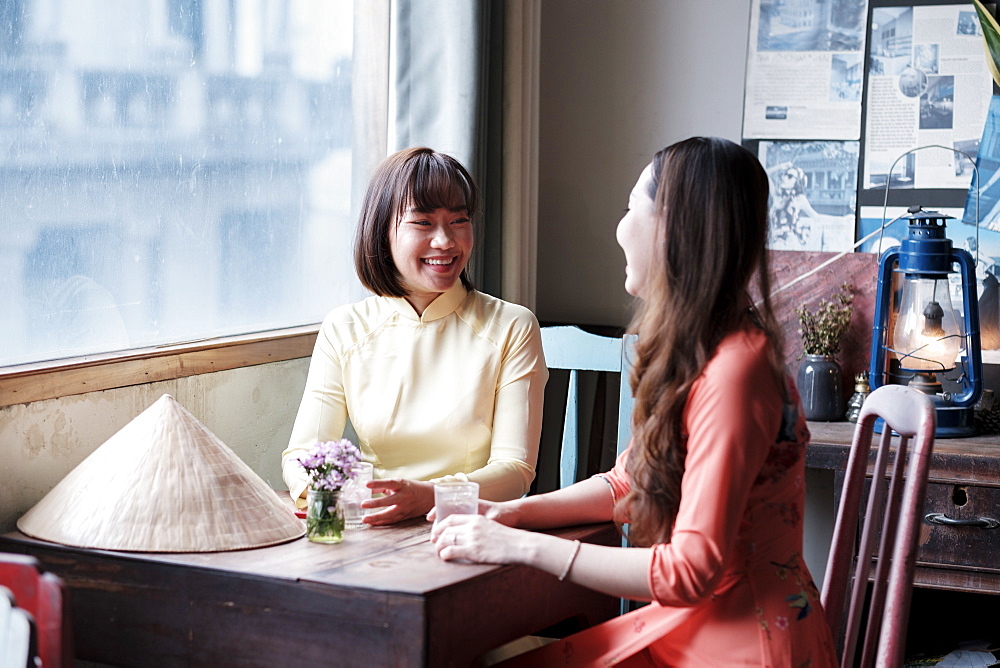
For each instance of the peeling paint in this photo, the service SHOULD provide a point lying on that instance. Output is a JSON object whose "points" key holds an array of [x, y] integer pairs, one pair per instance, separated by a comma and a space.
{"points": [[34, 441]]}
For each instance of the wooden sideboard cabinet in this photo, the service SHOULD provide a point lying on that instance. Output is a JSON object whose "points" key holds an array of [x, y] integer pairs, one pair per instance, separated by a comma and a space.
{"points": [[963, 485]]}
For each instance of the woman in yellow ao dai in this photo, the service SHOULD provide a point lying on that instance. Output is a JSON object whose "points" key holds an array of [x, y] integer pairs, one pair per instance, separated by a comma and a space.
{"points": [[439, 381]]}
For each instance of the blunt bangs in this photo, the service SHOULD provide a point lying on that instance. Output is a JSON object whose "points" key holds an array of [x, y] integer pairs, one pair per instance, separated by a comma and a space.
{"points": [[439, 182]]}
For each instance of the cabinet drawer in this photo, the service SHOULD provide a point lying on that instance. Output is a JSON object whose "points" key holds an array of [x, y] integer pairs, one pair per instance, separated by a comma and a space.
{"points": [[960, 546]]}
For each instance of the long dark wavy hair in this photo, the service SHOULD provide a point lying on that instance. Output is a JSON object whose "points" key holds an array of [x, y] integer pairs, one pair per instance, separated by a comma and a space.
{"points": [[710, 201]]}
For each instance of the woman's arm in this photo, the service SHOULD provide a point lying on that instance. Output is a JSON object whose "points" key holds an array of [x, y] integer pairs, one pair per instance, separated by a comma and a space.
{"points": [[612, 570], [322, 413], [517, 414], [586, 502], [491, 538]]}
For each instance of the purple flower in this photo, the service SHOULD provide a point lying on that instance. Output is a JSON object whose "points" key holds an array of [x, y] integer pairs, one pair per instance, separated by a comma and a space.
{"points": [[329, 463]]}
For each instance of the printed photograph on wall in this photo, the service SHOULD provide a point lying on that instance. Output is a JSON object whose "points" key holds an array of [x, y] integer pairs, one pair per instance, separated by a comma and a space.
{"points": [[845, 77], [982, 208], [811, 25], [987, 209], [813, 194]]}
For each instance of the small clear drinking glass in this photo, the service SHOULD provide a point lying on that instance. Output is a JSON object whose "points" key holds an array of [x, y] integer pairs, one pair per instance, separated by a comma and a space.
{"points": [[354, 493], [455, 498]]}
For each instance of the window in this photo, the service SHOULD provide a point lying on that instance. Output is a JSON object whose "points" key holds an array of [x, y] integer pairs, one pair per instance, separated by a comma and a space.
{"points": [[171, 170]]}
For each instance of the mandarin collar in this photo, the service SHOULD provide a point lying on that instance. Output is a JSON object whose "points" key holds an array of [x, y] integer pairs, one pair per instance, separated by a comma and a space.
{"points": [[444, 304]]}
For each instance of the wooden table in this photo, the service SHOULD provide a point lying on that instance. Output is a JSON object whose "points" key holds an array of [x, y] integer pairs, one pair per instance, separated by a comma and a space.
{"points": [[380, 598], [963, 483]]}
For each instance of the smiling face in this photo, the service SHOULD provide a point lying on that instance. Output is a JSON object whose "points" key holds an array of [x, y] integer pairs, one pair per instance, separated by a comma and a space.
{"points": [[637, 235], [430, 249]]}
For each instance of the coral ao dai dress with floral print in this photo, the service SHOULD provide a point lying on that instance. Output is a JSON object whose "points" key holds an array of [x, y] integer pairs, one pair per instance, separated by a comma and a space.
{"points": [[731, 587]]}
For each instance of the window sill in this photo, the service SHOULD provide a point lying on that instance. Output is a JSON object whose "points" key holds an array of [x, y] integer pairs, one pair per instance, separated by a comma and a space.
{"points": [[62, 378]]}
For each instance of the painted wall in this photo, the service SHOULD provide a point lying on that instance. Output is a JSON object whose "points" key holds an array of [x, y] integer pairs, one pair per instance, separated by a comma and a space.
{"points": [[619, 81], [251, 410]]}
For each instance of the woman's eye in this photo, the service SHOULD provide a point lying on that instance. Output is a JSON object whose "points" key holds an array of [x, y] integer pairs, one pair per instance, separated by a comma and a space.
{"points": [[460, 221]]}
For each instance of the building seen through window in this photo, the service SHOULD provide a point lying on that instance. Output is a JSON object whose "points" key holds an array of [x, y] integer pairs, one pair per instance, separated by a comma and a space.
{"points": [[171, 170]]}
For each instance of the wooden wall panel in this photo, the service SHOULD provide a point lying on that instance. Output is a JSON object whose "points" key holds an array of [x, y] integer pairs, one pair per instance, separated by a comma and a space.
{"points": [[859, 269]]}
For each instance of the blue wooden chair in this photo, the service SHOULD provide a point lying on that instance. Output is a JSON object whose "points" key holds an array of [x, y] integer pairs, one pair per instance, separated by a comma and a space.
{"points": [[571, 348], [575, 350]]}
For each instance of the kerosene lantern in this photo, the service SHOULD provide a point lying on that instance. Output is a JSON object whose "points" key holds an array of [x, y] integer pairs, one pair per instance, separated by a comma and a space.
{"points": [[918, 337]]}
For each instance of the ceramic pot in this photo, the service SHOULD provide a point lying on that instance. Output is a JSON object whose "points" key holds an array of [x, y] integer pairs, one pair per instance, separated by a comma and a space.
{"points": [[819, 388]]}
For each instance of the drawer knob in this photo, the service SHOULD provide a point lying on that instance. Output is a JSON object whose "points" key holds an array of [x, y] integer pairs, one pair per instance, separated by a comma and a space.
{"points": [[978, 522]]}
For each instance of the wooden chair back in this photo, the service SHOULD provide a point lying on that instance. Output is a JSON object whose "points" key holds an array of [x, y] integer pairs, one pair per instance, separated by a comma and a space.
{"points": [[568, 347], [17, 634], [889, 523], [44, 597]]}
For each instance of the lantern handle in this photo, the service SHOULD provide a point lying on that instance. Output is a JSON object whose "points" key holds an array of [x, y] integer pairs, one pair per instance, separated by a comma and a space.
{"points": [[888, 181]]}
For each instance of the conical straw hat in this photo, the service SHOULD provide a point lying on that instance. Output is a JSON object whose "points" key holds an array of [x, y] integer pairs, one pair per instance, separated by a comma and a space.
{"points": [[163, 483]]}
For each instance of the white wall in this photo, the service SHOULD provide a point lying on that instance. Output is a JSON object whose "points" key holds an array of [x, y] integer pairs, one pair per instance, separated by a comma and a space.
{"points": [[251, 410], [619, 81]]}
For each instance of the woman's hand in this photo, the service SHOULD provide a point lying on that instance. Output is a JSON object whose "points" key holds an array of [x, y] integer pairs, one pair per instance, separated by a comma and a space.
{"points": [[478, 539], [402, 500], [612, 570]]}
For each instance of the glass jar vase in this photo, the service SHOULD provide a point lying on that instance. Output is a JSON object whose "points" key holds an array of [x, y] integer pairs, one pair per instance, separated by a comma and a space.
{"points": [[324, 516]]}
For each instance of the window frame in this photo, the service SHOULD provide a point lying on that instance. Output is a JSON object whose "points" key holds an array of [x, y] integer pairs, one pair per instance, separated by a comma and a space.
{"points": [[37, 381], [54, 379]]}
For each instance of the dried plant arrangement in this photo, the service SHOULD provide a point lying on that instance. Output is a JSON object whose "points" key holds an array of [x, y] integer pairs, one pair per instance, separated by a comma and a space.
{"points": [[823, 330]]}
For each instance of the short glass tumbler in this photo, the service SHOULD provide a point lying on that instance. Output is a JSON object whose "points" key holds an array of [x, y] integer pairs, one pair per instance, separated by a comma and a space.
{"points": [[354, 493], [455, 498]]}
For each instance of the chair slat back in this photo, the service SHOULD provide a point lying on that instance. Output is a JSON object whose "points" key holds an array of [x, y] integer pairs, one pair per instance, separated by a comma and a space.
{"points": [[44, 597], [889, 529], [17, 638], [571, 348]]}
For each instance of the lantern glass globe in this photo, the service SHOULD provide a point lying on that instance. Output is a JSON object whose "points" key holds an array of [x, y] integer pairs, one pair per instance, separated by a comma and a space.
{"points": [[927, 335]]}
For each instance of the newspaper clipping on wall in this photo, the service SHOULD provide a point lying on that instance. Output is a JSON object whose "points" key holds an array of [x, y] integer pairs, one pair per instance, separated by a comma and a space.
{"points": [[805, 69], [928, 83]]}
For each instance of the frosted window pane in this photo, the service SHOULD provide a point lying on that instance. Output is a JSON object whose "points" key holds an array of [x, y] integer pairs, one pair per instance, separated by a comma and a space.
{"points": [[171, 170]]}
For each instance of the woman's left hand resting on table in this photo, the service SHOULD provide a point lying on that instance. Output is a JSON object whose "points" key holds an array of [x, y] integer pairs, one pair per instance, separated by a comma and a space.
{"points": [[491, 537], [611, 570], [476, 538], [402, 500]]}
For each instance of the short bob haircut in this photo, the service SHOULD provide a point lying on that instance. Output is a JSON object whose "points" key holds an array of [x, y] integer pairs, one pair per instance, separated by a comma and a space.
{"points": [[419, 178]]}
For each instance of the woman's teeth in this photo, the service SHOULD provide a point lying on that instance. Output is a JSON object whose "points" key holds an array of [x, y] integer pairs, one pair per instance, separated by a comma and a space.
{"points": [[429, 261]]}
